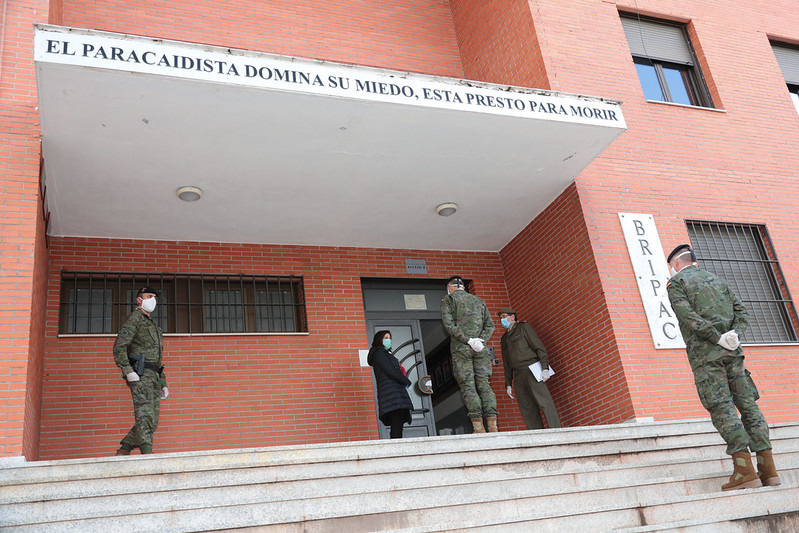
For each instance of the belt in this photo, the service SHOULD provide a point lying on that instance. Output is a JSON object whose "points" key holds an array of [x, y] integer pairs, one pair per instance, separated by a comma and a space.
{"points": [[154, 367]]}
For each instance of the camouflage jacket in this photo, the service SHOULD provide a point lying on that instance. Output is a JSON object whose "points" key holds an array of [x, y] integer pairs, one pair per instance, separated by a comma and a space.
{"points": [[706, 308], [139, 334], [465, 317]]}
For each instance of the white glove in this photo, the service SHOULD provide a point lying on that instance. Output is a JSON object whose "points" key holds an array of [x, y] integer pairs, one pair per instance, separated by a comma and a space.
{"points": [[544, 375], [477, 345], [510, 391], [729, 340], [164, 393], [131, 377]]}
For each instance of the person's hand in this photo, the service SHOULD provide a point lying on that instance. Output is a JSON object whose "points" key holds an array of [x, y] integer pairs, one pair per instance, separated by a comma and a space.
{"points": [[477, 345], [729, 340], [131, 377], [510, 391], [544, 375], [164, 393]]}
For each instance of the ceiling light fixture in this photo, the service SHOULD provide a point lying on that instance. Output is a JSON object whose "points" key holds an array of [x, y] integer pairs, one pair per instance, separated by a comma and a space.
{"points": [[446, 209], [189, 194]]}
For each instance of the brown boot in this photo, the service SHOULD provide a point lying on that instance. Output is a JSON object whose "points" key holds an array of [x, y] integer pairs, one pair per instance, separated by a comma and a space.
{"points": [[122, 451], [744, 475], [477, 425], [766, 470], [492, 424]]}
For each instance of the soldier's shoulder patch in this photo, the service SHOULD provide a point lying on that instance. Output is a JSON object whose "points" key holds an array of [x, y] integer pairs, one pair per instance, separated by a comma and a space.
{"points": [[669, 283]]}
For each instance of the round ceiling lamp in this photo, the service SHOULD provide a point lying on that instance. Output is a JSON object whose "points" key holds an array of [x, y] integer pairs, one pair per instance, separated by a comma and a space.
{"points": [[446, 209], [189, 194]]}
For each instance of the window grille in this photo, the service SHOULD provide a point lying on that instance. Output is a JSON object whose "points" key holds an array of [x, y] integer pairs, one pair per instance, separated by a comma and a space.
{"points": [[743, 255], [99, 302]]}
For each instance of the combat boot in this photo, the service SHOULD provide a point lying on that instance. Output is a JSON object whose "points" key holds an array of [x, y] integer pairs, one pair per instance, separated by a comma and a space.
{"points": [[766, 470], [744, 475], [477, 425], [122, 451], [492, 424]]}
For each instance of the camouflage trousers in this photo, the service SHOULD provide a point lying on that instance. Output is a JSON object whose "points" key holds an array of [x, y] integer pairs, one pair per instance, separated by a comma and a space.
{"points": [[724, 385], [472, 371], [146, 395]]}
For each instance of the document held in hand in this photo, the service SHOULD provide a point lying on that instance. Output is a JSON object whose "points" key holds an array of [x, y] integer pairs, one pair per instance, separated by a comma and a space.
{"points": [[535, 368]]}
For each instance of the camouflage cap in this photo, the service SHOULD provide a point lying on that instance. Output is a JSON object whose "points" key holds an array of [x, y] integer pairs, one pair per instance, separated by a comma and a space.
{"points": [[507, 311], [679, 248], [146, 290]]}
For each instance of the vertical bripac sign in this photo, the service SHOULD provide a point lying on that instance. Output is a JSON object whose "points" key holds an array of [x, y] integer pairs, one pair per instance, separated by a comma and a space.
{"points": [[652, 274]]}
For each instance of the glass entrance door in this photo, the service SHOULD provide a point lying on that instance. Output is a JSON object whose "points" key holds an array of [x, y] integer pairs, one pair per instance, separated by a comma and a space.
{"points": [[408, 348]]}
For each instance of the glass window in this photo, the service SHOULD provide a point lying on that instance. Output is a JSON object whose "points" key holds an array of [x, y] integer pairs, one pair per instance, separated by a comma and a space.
{"points": [[665, 62], [94, 302], [743, 255], [795, 95]]}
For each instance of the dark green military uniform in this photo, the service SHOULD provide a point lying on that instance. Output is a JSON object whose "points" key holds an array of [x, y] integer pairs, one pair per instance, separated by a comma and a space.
{"points": [[521, 347], [706, 308], [141, 335], [465, 317]]}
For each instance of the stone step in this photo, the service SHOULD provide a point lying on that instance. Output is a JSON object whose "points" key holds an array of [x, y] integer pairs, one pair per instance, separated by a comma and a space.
{"points": [[640, 442], [349, 478], [464, 478], [230, 504]]}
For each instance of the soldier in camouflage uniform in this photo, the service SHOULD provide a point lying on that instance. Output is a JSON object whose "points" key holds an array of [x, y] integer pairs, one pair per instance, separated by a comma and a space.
{"points": [[711, 319], [141, 336], [469, 324]]}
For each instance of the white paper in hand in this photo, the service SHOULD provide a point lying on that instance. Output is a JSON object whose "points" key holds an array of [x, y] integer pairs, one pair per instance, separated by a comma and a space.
{"points": [[536, 369]]}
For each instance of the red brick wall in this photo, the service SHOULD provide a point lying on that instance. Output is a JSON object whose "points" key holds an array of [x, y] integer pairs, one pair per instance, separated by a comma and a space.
{"points": [[412, 35], [232, 391], [554, 285], [19, 202], [498, 42], [737, 164]]}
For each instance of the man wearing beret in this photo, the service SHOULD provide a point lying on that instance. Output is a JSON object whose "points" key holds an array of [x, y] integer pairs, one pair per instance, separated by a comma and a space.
{"points": [[140, 342], [711, 320], [521, 348], [469, 324]]}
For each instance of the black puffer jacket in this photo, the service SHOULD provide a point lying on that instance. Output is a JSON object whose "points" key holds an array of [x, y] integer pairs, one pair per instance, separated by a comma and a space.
{"points": [[391, 392]]}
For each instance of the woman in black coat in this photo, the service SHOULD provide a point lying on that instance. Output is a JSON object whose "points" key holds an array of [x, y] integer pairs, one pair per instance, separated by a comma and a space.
{"points": [[393, 403]]}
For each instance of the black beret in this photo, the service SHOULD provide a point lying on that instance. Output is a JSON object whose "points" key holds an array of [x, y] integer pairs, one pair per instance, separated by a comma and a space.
{"points": [[678, 249], [455, 279], [146, 290]]}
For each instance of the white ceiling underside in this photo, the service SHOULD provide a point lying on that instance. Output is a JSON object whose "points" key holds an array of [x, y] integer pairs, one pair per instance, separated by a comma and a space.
{"points": [[288, 166]]}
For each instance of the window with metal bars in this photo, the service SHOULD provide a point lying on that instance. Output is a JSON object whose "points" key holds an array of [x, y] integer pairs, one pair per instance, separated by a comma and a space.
{"points": [[100, 302], [743, 255]]}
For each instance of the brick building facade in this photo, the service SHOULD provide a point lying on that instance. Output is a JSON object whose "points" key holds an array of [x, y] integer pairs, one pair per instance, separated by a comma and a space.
{"points": [[566, 267]]}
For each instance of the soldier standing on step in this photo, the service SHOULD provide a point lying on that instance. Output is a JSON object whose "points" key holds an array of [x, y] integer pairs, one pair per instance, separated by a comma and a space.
{"points": [[140, 343], [468, 322], [711, 319]]}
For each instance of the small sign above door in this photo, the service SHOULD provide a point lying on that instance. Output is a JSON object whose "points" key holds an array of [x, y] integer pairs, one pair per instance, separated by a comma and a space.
{"points": [[415, 266]]}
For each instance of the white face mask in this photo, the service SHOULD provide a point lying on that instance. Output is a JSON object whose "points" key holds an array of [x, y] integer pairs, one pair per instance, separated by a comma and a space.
{"points": [[148, 304], [672, 271]]}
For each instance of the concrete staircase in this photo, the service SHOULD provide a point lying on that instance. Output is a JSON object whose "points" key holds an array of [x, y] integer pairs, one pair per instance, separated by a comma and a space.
{"points": [[627, 477]]}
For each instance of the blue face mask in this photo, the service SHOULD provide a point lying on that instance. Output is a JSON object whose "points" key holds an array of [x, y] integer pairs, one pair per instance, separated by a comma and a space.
{"points": [[505, 323], [387, 344]]}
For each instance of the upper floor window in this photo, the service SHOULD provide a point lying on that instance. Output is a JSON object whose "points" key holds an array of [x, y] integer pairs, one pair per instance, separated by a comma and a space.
{"points": [[665, 61], [743, 255], [788, 59], [93, 302]]}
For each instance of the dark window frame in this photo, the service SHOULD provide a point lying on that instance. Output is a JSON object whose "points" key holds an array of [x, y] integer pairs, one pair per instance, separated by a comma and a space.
{"points": [[187, 302], [694, 81], [743, 254]]}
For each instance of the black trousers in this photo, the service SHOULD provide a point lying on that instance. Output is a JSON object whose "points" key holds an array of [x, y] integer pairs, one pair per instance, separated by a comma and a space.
{"points": [[396, 419]]}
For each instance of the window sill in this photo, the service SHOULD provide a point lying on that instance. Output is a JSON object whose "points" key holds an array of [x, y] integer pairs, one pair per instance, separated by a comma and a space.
{"points": [[673, 104]]}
